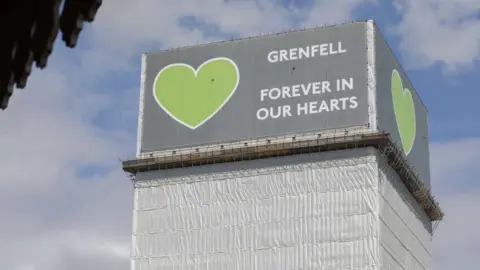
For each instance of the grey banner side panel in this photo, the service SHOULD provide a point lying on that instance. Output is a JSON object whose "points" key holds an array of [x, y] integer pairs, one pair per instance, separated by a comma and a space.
{"points": [[419, 156]]}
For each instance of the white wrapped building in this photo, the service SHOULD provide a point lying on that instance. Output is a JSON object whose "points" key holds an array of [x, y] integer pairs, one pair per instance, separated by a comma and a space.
{"points": [[342, 209], [341, 190]]}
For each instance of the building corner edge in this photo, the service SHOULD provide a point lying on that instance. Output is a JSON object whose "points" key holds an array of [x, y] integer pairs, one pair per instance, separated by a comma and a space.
{"points": [[371, 75], [141, 105]]}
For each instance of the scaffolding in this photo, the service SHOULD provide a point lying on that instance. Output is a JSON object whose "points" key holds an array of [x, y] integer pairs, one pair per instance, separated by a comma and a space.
{"points": [[294, 146]]}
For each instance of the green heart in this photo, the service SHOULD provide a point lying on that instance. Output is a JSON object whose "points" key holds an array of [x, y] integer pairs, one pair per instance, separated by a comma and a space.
{"points": [[192, 97], [404, 108]]}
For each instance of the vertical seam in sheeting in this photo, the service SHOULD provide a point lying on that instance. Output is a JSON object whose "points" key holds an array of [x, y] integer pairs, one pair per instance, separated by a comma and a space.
{"points": [[141, 104], [134, 230], [371, 74], [379, 209]]}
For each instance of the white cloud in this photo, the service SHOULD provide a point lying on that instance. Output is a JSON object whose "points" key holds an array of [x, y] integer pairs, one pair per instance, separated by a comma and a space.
{"points": [[48, 214], [440, 31], [52, 219], [322, 12], [446, 166], [455, 165]]}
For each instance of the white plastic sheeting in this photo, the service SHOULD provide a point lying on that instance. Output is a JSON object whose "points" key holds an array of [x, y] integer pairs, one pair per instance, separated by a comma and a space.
{"points": [[405, 229], [316, 211]]}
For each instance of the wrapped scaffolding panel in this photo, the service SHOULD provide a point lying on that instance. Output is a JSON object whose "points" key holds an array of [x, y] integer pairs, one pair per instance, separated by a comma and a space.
{"points": [[337, 210], [405, 228], [311, 211]]}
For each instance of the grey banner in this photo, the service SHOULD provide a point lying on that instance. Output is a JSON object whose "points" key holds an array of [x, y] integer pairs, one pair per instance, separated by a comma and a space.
{"points": [[396, 114], [294, 82]]}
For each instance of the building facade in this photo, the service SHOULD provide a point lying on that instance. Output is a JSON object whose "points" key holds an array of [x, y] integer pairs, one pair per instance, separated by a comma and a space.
{"points": [[259, 163]]}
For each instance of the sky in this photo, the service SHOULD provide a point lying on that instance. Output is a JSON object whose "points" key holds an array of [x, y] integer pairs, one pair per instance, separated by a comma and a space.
{"points": [[65, 202]]}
